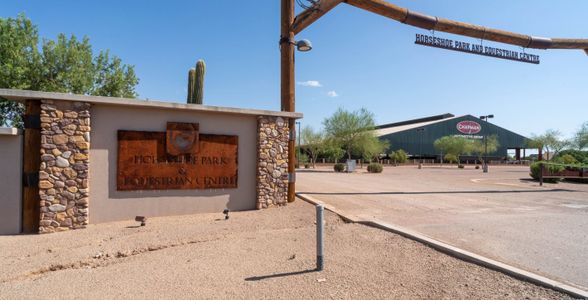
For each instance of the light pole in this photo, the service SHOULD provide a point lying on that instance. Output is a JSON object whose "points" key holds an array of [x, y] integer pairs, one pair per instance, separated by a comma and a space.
{"points": [[287, 90], [299, 149], [421, 131], [485, 166]]}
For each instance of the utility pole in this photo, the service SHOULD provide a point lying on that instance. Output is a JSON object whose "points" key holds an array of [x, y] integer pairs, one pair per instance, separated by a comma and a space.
{"points": [[486, 149], [287, 87], [421, 131]]}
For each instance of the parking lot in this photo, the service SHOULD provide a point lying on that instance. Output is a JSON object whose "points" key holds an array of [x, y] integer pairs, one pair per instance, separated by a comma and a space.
{"points": [[501, 214]]}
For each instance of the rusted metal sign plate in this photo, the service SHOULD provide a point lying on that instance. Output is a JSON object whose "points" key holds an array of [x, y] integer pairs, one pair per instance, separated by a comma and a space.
{"points": [[205, 161]]}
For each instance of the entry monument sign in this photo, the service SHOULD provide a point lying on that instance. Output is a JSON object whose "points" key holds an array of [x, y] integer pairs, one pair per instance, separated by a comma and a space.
{"points": [[448, 44], [110, 159], [180, 158]]}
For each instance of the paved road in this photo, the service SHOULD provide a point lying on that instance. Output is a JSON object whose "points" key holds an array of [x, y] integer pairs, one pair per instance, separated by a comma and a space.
{"points": [[498, 215]]}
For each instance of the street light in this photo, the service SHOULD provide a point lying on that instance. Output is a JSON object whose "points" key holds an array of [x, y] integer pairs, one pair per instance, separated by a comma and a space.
{"points": [[485, 166], [421, 131], [304, 45], [301, 45]]}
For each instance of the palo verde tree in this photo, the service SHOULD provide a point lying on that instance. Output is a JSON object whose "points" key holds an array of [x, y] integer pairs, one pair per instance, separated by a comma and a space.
{"points": [[332, 150], [350, 129], [314, 143], [483, 147], [452, 147], [581, 137], [66, 65], [370, 147], [551, 141]]}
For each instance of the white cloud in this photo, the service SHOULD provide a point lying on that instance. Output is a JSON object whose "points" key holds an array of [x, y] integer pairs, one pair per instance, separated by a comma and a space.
{"points": [[332, 94], [310, 83]]}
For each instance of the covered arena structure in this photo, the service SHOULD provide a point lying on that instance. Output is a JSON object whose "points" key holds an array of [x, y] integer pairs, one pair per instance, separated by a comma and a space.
{"points": [[417, 136]]}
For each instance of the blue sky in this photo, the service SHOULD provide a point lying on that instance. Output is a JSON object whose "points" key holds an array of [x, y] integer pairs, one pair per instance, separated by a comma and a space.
{"points": [[359, 59]]}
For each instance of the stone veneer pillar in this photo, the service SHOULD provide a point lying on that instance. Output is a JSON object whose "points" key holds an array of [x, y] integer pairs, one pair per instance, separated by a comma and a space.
{"points": [[63, 175], [272, 161]]}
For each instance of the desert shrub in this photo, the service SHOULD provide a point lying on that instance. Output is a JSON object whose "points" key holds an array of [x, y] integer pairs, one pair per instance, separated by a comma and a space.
{"points": [[306, 165], [339, 167], [460, 166], [375, 168], [566, 159], [580, 156], [303, 158], [399, 156], [477, 167], [536, 171]]}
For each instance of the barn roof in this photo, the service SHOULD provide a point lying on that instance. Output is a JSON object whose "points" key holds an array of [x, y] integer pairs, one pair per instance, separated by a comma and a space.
{"points": [[412, 124]]}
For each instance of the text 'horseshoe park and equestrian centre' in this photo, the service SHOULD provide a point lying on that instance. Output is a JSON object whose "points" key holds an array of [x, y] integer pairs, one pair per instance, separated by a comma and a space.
{"points": [[179, 158], [449, 44]]}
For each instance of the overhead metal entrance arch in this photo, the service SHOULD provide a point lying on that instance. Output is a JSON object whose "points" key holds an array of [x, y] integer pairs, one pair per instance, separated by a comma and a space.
{"points": [[291, 25]]}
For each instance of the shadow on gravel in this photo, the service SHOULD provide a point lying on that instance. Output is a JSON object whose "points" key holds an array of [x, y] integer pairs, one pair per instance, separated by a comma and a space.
{"points": [[314, 171], [579, 181], [442, 192], [257, 278]]}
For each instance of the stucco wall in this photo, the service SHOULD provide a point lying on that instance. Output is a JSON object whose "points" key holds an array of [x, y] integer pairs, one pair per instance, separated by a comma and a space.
{"points": [[10, 183], [108, 204]]}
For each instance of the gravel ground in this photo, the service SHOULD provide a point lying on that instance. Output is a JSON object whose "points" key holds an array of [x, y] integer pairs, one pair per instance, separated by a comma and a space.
{"points": [[543, 230], [266, 254]]}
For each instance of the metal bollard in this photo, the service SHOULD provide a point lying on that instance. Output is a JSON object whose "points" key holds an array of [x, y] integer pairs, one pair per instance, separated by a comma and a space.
{"points": [[541, 167], [320, 263]]}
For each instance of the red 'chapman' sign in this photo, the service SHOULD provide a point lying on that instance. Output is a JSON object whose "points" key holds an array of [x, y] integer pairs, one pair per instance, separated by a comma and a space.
{"points": [[469, 127]]}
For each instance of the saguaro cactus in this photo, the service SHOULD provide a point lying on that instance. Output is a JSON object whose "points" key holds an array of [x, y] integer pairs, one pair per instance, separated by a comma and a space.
{"points": [[191, 76], [196, 83], [198, 92]]}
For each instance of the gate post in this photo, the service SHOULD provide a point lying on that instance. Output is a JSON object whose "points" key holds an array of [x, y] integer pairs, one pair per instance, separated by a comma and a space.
{"points": [[31, 200]]}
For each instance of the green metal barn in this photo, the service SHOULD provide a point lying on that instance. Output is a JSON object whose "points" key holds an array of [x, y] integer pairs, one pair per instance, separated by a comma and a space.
{"points": [[417, 136]]}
